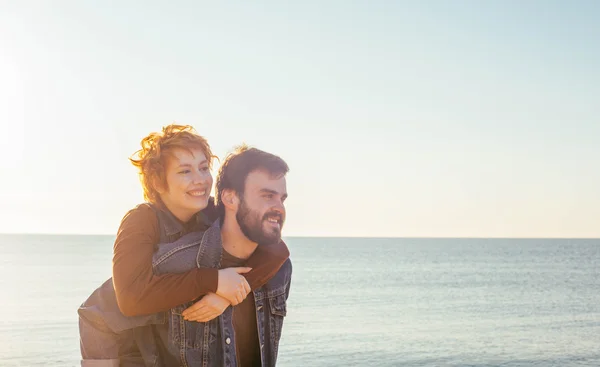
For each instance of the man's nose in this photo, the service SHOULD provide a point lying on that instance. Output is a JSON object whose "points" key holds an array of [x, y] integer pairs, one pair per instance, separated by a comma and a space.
{"points": [[279, 207]]}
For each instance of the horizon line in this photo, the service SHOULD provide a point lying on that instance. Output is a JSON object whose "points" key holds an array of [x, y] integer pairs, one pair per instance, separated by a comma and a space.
{"points": [[332, 236]]}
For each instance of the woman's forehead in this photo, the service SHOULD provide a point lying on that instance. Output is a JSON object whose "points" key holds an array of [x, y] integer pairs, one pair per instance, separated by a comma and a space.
{"points": [[181, 155]]}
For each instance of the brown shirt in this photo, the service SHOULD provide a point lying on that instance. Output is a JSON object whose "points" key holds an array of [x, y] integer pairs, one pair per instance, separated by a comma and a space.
{"points": [[139, 291], [244, 322]]}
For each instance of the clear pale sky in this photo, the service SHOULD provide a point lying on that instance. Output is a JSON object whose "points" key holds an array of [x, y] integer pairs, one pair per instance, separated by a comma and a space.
{"points": [[397, 118]]}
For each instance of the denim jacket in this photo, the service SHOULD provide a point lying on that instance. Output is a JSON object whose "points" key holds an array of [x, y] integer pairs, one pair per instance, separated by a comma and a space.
{"points": [[183, 342], [213, 343]]}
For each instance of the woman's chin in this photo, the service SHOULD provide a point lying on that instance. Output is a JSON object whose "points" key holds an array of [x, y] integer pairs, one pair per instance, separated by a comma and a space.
{"points": [[198, 203]]}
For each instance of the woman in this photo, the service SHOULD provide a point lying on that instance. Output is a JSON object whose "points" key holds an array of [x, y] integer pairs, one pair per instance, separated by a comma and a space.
{"points": [[174, 167]]}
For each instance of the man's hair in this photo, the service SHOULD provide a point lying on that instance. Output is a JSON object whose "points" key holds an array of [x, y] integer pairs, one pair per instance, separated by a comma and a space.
{"points": [[151, 160], [237, 166]]}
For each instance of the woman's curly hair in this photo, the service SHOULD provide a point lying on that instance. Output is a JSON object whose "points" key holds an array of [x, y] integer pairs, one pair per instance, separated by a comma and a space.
{"points": [[151, 160]]}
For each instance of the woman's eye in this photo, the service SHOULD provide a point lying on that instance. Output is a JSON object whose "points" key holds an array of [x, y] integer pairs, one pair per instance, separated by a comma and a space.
{"points": [[184, 171]]}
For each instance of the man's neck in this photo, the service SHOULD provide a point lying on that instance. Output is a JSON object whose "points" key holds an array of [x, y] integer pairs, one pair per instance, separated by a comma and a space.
{"points": [[234, 240]]}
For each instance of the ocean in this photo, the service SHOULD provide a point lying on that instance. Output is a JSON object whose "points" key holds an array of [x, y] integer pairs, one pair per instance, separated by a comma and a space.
{"points": [[353, 301]]}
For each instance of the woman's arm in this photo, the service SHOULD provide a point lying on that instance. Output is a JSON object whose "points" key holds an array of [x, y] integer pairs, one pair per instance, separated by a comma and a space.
{"points": [[265, 263], [139, 291]]}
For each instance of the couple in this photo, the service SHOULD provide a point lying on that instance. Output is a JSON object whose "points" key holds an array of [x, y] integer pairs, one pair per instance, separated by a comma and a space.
{"points": [[181, 260]]}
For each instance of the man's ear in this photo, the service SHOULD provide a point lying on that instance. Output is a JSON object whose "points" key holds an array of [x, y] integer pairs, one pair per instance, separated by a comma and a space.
{"points": [[230, 199]]}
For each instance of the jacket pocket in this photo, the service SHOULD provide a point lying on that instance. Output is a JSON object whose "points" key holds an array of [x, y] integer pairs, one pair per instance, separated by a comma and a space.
{"points": [[186, 334], [278, 305], [278, 311]]}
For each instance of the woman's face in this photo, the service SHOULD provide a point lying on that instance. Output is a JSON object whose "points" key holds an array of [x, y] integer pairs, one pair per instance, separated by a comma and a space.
{"points": [[189, 183]]}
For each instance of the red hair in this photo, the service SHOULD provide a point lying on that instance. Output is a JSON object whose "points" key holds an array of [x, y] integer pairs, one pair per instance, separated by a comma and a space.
{"points": [[151, 160]]}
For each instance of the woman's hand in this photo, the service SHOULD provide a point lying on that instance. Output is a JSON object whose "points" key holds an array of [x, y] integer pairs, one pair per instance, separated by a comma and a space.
{"points": [[232, 285], [209, 307]]}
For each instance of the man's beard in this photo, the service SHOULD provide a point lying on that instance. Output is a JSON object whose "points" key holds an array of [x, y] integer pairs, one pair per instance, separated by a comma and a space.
{"points": [[252, 225]]}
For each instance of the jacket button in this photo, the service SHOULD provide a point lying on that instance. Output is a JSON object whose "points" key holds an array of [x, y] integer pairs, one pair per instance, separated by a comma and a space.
{"points": [[228, 341]]}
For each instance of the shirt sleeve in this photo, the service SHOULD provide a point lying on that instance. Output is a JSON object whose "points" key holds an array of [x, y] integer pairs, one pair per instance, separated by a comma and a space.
{"points": [[265, 263], [138, 290]]}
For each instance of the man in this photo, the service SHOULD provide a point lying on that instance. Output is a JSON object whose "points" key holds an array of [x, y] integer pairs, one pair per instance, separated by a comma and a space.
{"points": [[251, 191]]}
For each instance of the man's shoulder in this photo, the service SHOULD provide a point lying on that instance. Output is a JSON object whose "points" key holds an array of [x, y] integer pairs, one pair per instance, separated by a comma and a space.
{"points": [[287, 266], [203, 246], [282, 278]]}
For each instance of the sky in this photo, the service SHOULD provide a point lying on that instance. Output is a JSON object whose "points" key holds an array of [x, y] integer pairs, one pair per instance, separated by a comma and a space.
{"points": [[397, 118]]}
